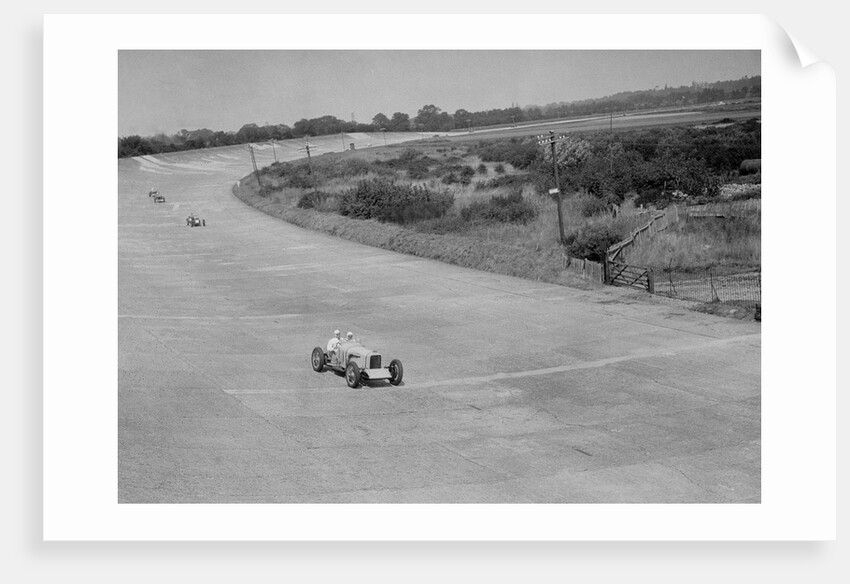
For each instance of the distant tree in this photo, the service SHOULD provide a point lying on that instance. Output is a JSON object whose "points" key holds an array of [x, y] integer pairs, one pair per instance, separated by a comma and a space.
{"points": [[381, 121], [400, 122], [133, 146], [462, 118], [429, 118], [251, 133]]}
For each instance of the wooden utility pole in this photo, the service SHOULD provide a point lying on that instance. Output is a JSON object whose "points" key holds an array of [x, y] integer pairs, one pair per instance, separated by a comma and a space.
{"points": [[309, 160], [551, 139], [274, 150], [254, 163], [611, 146]]}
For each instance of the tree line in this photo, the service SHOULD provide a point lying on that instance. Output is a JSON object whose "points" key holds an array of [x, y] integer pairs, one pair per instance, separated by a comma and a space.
{"points": [[431, 118]]}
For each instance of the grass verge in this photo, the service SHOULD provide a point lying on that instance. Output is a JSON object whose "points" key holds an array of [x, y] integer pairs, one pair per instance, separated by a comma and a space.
{"points": [[545, 265]]}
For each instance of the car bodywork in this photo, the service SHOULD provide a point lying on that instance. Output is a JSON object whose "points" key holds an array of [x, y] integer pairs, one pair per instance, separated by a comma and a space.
{"points": [[357, 363], [158, 199], [193, 221]]}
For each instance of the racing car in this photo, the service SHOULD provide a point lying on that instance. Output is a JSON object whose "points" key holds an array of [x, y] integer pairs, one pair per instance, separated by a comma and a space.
{"points": [[152, 192], [357, 363], [158, 199], [193, 221]]}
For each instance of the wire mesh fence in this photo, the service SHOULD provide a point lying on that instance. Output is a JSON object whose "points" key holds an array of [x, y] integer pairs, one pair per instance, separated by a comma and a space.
{"points": [[708, 286]]}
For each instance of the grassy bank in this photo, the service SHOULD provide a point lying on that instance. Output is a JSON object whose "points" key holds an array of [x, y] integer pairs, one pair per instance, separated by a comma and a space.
{"points": [[487, 206], [545, 265]]}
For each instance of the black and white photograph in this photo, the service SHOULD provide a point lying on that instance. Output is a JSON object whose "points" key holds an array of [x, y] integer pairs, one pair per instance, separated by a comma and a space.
{"points": [[437, 278]]}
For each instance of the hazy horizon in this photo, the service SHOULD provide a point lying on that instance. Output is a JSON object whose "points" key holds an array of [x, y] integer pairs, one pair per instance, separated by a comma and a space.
{"points": [[166, 91]]}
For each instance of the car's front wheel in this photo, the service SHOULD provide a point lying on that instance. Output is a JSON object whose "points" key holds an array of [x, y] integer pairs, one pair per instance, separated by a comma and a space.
{"points": [[317, 359], [352, 374], [396, 371]]}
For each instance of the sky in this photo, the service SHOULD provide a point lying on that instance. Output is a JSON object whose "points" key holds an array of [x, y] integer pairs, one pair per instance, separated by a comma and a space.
{"points": [[166, 91]]}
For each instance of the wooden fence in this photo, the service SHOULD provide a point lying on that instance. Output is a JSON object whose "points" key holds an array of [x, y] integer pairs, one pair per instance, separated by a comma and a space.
{"points": [[701, 286], [585, 268], [724, 209], [659, 221]]}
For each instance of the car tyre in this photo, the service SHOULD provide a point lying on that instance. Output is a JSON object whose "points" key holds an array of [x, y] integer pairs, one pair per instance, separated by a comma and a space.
{"points": [[396, 371], [352, 374], [317, 359]]}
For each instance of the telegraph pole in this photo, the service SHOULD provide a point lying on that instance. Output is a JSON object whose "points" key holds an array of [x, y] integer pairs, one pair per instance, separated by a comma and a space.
{"points": [[309, 161], [254, 163], [610, 148], [550, 140], [274, 150]]}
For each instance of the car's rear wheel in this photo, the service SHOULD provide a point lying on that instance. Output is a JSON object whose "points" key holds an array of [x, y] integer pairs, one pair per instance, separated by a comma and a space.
{"points": [[396, 371], [352, 374], [317, 359]]}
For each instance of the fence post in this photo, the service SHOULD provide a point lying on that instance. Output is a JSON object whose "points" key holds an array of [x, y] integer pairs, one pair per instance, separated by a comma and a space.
{"points": [[605, 271], [650, 282]]}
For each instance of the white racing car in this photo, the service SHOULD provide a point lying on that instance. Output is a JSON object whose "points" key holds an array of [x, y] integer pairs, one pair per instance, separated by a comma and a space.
{"points": [[357, 363]]}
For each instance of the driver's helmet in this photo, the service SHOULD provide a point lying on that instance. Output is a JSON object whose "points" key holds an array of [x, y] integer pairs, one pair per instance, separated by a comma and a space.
{"points": [[336, 333], [349, 335]]}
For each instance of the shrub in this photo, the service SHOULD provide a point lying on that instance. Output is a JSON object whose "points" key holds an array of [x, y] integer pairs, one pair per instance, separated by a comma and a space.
{"points": [[313, 200], [466, 174], [500, 168], [510, 180], [353, 167], [399, 203], [592, 241], [412, 161], [519, 153], [508, 209], [590, 206], [482, 169]]}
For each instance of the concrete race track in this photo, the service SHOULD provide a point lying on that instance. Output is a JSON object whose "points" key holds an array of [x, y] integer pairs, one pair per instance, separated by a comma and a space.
{"points": [[514, 391]]}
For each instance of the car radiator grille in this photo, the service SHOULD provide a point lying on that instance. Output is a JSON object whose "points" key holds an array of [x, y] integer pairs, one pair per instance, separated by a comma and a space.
{"points": [[375, 362]]}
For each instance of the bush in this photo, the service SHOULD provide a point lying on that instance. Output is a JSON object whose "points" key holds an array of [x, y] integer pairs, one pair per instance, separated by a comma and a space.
{"points": [[590, 206], [592, 241], [399, 203], [519, 153], [509, 209], [509, 180], [412, 161], [499, 168], [313, 200], [353, 167], [482, 169]]}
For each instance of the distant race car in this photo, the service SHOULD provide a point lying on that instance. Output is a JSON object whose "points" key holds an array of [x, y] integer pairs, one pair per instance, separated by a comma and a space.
{"points": [[357, 363], [193, 221], [152, 193], [158, 199]]}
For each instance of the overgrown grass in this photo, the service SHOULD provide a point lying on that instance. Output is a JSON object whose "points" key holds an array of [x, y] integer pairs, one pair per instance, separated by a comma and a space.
{"points": [[732, 243], [495, 193]]}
